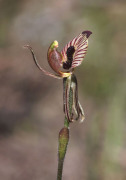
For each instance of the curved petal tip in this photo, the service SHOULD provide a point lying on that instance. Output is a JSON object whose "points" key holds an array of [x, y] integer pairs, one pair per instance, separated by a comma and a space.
{"points": [[88, 33]]}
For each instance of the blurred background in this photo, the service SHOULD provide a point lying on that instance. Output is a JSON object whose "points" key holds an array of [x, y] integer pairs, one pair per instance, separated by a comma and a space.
{"points": [[31, 112]]}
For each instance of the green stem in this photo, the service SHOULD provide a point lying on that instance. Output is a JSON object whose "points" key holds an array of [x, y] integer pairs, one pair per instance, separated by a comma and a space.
{"points": [[64, 132], [66, 123], [60, 169]]}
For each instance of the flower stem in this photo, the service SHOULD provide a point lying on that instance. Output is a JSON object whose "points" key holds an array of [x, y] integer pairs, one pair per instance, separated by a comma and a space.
{"points": [[64, 132], [66, 123], [60, 169]]}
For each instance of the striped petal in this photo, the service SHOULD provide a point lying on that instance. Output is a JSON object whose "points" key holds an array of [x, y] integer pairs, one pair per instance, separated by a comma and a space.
{"points": [[71, 58]]}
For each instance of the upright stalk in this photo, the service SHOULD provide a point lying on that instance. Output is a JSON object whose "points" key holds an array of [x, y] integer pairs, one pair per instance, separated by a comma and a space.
{"points": [[64, 132]]}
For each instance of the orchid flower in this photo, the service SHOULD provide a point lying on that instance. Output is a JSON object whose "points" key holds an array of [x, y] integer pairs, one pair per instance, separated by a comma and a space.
{"points": [[63, 64]]}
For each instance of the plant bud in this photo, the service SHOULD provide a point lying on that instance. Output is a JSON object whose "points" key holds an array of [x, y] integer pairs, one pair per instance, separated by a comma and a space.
{"points": [[63, 141]]}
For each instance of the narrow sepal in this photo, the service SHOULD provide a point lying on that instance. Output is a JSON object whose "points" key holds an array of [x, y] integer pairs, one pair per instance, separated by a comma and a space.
{"points": [[37, 64], [72, 108], [68, 100], [78, 110]]}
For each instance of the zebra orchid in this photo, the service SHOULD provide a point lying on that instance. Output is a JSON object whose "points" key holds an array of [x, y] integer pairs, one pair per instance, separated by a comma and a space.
{"points": [[63, 64]]}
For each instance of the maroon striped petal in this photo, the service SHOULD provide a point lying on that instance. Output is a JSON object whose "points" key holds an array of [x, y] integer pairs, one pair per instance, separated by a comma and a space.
{"points": [[80, 44]]}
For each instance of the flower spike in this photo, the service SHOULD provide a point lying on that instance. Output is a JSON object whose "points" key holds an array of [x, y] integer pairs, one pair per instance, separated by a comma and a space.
{"points": [[63, 64]]}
